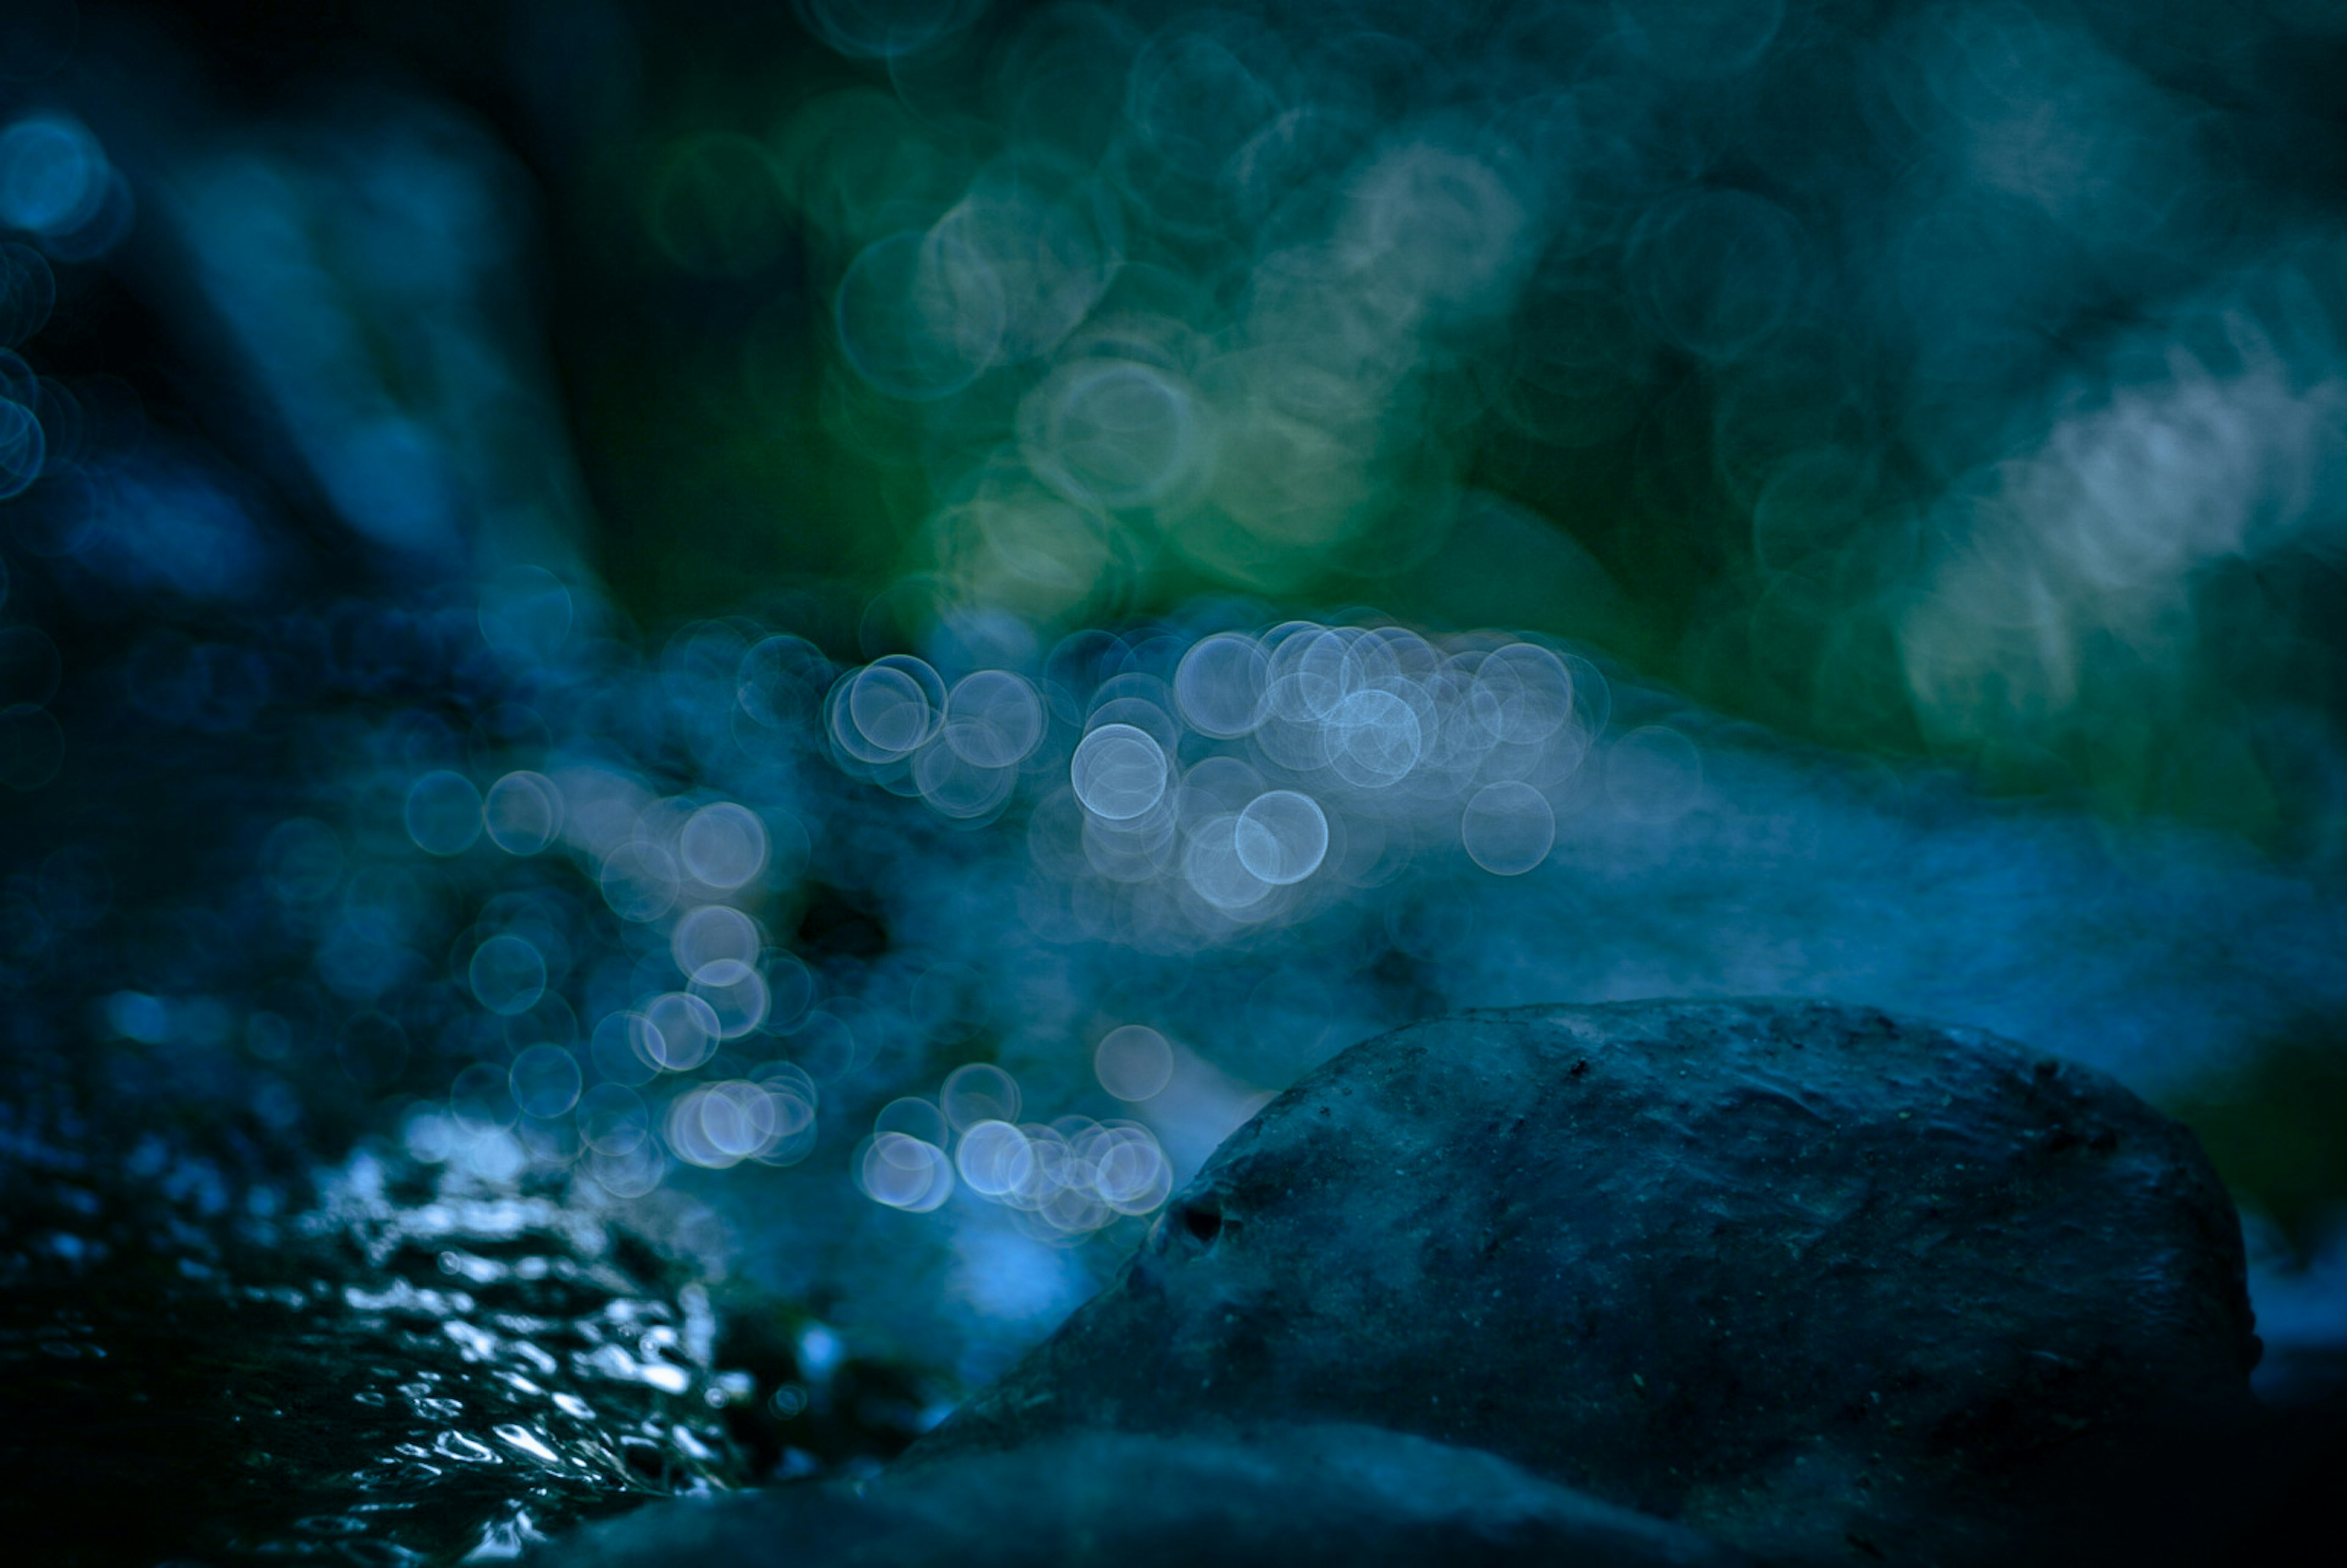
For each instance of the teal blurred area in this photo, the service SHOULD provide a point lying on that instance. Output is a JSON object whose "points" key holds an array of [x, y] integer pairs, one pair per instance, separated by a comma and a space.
{"points": [[840, 634]]}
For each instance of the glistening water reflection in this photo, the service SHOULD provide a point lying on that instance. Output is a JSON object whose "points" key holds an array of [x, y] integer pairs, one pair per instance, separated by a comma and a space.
{"points": [[404, 1374]]}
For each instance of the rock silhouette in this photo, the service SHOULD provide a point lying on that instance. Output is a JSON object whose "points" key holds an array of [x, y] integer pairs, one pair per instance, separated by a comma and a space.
{"points": [[1821, 1284], [1270, 1497]]}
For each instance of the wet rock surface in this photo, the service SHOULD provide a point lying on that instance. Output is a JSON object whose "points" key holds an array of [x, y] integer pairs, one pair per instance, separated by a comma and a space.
{"points": [[1267, 1495], [1819, 1283]]}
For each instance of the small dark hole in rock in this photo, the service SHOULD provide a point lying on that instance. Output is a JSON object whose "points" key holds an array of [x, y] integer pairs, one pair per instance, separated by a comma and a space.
{"points": [[1203, 1222]]}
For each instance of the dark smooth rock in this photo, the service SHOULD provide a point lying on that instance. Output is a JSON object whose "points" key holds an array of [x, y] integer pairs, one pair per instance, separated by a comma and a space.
{"points": [[1825, 1283], [1278, 1497]]}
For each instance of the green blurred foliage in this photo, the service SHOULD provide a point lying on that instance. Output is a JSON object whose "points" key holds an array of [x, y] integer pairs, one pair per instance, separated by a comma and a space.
{"points": [[1952, 382], [1516, 328]]}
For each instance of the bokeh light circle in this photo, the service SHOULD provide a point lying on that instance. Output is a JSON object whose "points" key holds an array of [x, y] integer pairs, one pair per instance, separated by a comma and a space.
{"points": [[722, 846], [1508, 828], [1118, 771], [905, 1172], [1282, 836], [1133, 1062]]}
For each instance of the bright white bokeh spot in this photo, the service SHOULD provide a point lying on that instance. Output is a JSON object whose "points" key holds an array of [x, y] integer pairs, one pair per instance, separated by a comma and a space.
{"points": [[523, 813], [507, 975], [719, 1125], [737, 1117], [995, 1159], [1129, 1173], [1118, 771], [722, 846], [905, 1172], [1508, 828], [1134, 1062], [443, 813], [1282, 836]]}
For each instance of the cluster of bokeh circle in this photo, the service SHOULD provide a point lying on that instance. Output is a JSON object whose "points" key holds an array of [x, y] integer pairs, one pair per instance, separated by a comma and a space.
{"points": [[1238, 775], [1176, 789]]}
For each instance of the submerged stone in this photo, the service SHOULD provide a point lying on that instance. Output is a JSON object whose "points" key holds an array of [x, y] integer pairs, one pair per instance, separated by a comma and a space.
{"points": [[1824, 1284], [1277, 1497]]}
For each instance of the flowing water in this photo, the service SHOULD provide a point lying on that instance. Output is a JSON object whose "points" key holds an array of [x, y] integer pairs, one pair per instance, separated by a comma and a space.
{"points": [[401, 1374]]}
